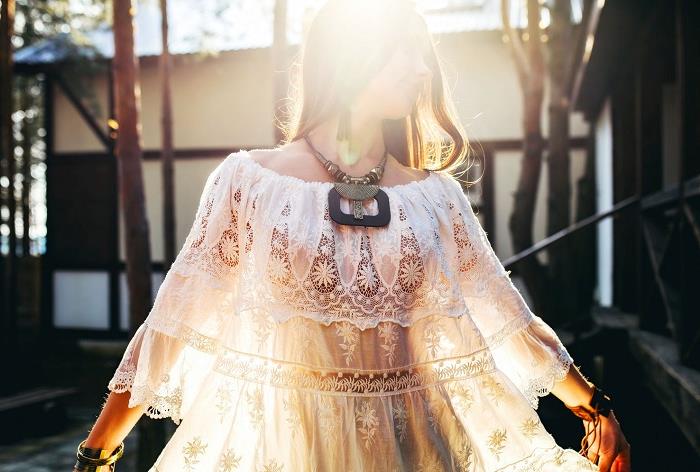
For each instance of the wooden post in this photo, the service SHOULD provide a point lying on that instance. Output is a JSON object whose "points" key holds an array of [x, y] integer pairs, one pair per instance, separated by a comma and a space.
{"points": [[8, 280], [167, 164], [649, 148], [687, 42], [625, 267], [136, 230]]}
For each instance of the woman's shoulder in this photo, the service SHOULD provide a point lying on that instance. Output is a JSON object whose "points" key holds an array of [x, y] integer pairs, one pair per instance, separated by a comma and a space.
{"points": [[296, 161], [290, 159]]}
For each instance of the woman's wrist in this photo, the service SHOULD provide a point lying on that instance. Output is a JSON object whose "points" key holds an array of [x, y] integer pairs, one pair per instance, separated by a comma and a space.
{"points": [[574, 389], [103, 443], [96, 459], [581, 395]]}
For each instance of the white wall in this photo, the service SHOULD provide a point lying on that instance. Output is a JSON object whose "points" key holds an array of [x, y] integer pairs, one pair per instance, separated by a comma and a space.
{"points": [[226, 102], [217, 103], [81, 299], [507, 170], [604, 201]]}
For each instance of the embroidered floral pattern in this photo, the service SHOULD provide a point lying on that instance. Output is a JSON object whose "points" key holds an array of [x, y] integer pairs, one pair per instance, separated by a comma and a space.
{"points": [[256, 406], [223, 400], [229, 461], [530, 427], [329, 419], [348, 332], [429, 464], [366, 417], [467, 256], [389, 334], [407, 338], [433, 336], [292, 408], [465, 456], [191, 452], [432, 412], [320, 292], [272, 466], [264, 326], [462, 397], [400, 418], [493, 389], [497, 442]]}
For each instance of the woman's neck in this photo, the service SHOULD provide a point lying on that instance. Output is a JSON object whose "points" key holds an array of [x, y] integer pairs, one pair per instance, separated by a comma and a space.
{"points": [[367, 140]]}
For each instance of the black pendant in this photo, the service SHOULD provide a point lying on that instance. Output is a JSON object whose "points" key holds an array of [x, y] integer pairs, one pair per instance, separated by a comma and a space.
{"points": [[357, 194]]}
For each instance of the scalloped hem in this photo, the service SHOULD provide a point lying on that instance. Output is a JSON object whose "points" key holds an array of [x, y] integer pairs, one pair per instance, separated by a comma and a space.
{"points": [[563, 459], [558, 368], [543, 386], [155, 406], [361, 324]]}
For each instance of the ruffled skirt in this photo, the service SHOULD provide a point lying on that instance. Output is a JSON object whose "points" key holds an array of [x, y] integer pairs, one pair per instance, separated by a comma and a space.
{"points": [[253, 394], [478, 424]]}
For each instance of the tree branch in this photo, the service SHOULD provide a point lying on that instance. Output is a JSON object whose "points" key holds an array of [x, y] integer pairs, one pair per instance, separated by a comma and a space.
{"points": [[534, 44], [520, 59]]}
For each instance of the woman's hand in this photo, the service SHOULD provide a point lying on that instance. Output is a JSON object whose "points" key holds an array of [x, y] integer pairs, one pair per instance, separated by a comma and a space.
{"points": [[610, 450]]}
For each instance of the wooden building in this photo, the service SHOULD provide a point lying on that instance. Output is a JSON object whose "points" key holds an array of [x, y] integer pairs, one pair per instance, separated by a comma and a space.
{"points": [[637, 85], [635, 122], [223, 103]]}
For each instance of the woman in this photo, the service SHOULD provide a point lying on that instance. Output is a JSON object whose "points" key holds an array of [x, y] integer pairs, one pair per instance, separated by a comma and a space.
{"points": [[307, 326]]}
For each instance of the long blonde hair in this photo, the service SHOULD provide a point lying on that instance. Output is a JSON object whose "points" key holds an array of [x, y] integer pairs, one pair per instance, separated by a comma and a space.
{"points": [[347, 43]]}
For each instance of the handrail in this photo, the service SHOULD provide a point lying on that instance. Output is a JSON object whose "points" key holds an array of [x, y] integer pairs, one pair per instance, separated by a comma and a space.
{"points": [[562, 233]]}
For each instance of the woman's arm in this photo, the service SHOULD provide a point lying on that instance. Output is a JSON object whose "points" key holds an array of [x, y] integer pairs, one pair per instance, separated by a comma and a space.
{"points": [[574, 389], [115, 421], [611, 450]]}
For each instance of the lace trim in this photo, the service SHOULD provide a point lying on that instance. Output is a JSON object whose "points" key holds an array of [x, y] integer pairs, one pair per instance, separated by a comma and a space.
{"points": [[543, 385], [554, 455], [122, 379], [321, 293], [405, 319], [285, 374], [155, 406], [512, 327], [354, 382]]}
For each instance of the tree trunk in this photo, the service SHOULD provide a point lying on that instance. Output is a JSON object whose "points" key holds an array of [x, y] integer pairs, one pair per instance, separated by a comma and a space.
{"points": [[129, 154], [529, 64], [564, 293], [279, 62], [8, 299], [525, 197], [161, 429], [28, 133], [167, 164]]}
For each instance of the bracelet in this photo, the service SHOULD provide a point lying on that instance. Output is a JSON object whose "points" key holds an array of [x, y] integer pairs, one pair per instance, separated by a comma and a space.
{"points": [[599, 404], [86, 463]]}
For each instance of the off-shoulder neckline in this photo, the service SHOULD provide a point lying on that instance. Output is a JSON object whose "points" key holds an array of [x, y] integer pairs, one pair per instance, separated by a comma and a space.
{"points": [[244, 156]]}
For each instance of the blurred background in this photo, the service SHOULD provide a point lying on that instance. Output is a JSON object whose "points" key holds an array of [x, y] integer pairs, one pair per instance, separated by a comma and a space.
{"points": [[583, 117]]}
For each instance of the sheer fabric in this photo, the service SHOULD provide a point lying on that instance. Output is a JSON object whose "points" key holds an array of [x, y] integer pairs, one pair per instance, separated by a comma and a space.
{"points": [[281, 341]]}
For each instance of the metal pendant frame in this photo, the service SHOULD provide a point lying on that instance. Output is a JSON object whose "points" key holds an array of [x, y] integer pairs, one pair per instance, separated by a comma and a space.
{"points": [[357, 194]]}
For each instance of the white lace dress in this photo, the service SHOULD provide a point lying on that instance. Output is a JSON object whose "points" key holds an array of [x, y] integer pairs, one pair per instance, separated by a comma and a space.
{"points": [[282, 341]]}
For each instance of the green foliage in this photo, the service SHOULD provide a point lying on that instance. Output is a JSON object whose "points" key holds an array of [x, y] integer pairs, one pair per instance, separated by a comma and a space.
{"points": [[40, 19]]}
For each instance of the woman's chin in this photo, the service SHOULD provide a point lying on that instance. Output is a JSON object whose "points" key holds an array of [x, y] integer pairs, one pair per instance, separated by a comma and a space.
{"points": [[398, 113]]}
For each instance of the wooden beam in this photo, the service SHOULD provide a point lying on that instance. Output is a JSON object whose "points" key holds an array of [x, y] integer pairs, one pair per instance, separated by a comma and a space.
{"points": [[83, 111], [565, 232]]}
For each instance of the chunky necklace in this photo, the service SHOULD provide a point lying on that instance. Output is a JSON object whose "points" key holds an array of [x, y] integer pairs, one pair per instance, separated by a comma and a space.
{"points": [[355, 189]]}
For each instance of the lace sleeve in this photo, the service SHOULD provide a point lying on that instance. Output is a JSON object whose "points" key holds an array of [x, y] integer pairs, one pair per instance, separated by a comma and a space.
{"points": [[524, 347], [166, 360]]}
